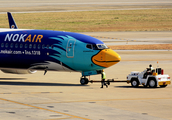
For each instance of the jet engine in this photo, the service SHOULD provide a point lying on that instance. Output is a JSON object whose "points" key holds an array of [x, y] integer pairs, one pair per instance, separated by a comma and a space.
{"points": [[18, 71]]}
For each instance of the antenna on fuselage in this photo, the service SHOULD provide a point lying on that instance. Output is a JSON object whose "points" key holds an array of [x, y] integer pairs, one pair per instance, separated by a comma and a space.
{"points": [[45, 70]]}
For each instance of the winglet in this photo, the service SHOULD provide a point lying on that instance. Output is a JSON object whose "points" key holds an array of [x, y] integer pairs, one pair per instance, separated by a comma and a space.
{"points": [[12, 23]]}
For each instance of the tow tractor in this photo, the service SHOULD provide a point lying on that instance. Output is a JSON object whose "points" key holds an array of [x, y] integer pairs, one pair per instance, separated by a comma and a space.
{"points": [[149, 78]]}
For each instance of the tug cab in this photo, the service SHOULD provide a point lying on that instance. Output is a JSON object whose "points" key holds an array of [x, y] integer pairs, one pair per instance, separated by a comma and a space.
{"points": [[149, 78]]}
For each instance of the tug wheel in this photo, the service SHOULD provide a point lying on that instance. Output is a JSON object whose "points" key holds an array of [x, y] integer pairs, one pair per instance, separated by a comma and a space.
{"points": [[152, 83], [134, 82]]}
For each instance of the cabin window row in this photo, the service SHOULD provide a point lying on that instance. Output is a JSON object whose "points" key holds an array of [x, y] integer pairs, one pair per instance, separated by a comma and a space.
{"points": [[30, 46]]}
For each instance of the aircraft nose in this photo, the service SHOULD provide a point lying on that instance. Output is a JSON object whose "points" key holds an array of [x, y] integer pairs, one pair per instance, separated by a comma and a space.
{"points": [[111, 57], [106, 58]]}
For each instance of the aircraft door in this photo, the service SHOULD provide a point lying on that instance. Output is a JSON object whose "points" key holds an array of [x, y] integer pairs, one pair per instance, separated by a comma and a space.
{"points": [[70, 48]]}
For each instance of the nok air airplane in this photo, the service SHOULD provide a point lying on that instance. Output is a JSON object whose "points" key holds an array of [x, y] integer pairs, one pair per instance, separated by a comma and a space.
{"points": [[24, 51]]}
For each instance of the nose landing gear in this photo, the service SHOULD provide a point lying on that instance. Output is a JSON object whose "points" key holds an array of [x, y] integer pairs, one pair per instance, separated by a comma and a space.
{"points": [[84, 80]]}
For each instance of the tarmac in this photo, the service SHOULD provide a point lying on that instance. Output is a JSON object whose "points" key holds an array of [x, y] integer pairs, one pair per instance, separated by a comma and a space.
{"points": [[133, 38], [20, 6], [59, 95]]}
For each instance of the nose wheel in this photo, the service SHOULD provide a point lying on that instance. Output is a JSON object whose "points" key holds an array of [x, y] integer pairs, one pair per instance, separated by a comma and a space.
{"points": [[84, 81]]}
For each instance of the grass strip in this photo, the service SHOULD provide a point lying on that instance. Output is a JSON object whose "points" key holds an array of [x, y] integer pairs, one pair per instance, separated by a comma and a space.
{"points": [[94, 21]]}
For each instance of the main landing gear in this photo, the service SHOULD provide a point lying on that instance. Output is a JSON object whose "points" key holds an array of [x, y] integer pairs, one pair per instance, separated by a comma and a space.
{"points": [[84, 80]]}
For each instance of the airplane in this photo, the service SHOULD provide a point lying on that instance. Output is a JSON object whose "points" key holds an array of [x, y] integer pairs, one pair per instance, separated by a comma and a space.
{"points": [[24, 51]]}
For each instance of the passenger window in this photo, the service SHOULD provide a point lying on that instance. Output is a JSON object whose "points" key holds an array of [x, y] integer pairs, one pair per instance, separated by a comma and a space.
{"points": [[11, 46], [48, 46], [25, 46], [52, 46], [39, 46], [2, 45], [34, 46], [43, 46], [16, 45], [6, 45], [30, 46], [89, 46], [21, 45]]}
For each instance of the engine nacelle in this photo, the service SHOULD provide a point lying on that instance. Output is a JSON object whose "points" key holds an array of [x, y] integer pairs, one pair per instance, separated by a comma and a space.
{"points": [[18, 71]]}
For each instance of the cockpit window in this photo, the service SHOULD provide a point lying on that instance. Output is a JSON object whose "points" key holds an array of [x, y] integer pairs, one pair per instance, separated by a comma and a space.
{"points": [[89, 46], [102, 46], [96, 46]]}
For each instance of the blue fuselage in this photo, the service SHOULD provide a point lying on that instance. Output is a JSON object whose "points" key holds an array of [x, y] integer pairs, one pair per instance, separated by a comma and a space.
{"points": [[50, 50]]}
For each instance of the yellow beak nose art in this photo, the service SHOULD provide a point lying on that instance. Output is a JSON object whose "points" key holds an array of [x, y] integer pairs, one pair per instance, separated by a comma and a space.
{"points": [[106, 58]]}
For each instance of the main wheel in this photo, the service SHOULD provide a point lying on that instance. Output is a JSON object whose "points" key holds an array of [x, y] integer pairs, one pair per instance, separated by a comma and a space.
{"points": [[84, 81], [152, 83], [134, 82]]}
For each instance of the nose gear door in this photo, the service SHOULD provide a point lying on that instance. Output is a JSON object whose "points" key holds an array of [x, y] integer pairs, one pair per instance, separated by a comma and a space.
{"points": [[70, 48]]}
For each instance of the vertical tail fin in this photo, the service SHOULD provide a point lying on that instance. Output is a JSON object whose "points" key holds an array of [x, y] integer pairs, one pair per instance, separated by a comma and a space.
{"points": [[12, 23]]}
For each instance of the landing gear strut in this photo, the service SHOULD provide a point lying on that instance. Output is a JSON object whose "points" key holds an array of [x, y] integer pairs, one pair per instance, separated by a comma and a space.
{"points": [[84, 80]]}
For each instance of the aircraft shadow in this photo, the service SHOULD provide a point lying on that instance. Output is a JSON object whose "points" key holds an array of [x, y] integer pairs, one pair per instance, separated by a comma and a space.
{"points": [[139, 87], [37, 84], [12, 78]]}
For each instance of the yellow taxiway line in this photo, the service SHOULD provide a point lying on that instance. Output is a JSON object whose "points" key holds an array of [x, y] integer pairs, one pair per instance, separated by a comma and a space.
{"points": [[104, 100], [71, 116]]}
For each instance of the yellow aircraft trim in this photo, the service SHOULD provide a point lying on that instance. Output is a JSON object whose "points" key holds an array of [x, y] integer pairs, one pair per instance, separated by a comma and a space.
{"points": [[106, 58]]}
